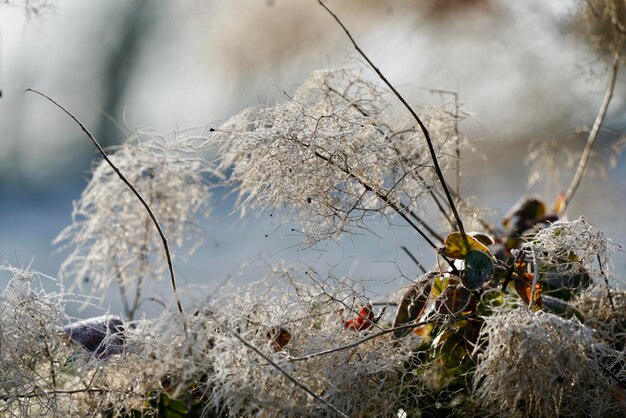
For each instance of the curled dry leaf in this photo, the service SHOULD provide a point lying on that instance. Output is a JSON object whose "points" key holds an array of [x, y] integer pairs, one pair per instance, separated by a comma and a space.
{"points": [[524, 212], [278, 337], [412, 306], [483, 238], [362, 321]]}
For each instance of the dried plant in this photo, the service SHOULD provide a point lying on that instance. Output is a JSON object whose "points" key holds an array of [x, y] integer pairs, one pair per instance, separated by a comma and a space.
{"points": [[232, 380], [543, 365], [113, 240], [520, 321], [30, 349], [331, 155]]}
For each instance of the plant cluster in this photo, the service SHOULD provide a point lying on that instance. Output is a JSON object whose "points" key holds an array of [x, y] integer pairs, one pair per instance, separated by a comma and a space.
{"points": [[522, 319]]}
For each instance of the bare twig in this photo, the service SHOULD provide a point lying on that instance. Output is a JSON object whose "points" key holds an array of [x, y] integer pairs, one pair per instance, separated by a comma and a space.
{"points": [[415, 260], [285, 373], [431, 231], [610, 87], [457, 138], [395, 206], [50, 393], [417, 119], [606, 281], [372, 336], [135, 192]]}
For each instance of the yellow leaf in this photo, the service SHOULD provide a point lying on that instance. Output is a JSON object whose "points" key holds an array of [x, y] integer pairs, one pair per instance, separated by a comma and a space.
{"points": [[455, 247]]}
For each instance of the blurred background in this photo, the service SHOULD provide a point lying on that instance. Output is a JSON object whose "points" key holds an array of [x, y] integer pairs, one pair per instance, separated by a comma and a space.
{"points": [[523, 69]]}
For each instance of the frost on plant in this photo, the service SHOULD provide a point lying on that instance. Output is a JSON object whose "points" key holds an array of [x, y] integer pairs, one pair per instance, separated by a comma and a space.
{"points": [[48, 366], [606, 316], [332, 153], [232, 380], [112, 238], [570, 254], [543, 365], [29, 347]]}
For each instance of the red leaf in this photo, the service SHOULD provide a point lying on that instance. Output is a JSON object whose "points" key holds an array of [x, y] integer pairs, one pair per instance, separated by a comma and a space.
{"points": [[362, 321]]}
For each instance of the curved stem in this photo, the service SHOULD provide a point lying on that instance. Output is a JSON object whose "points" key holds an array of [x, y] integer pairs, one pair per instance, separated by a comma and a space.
{"points": [[610, 87], [431, 148], [136, 193], [285, 372]]}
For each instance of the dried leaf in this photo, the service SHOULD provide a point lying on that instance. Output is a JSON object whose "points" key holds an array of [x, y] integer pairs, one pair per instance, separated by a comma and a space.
{"points": [[524, 212], [412, 306], [454, 300], [455, 247], [559, 203], [483, 238], [278, 337], [478, 270], [523, 286]]}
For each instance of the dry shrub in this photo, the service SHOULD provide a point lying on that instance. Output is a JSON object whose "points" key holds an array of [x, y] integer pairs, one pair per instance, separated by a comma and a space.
{"points": [[543, 365]]}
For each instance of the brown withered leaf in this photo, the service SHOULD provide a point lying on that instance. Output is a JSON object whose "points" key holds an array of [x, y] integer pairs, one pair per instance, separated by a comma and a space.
{"points": [[454, 300], [278, 337], [523, 287], [412, 305]]}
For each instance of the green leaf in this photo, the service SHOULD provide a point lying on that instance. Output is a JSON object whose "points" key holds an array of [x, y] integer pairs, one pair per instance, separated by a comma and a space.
{"points": [[455, 247], [171, 408], [490, 300], [478, 270], [453, 351]]}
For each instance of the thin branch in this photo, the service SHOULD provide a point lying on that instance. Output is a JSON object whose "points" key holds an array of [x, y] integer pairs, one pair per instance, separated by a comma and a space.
{"points": [[387, 201], [372, 336], [382, 196], [606, 281], [610, 87], [285, 373], [509, 274], [455, 95], [135, 192], [415, 116], [431, 231], [415, 260], [51, 392]]}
